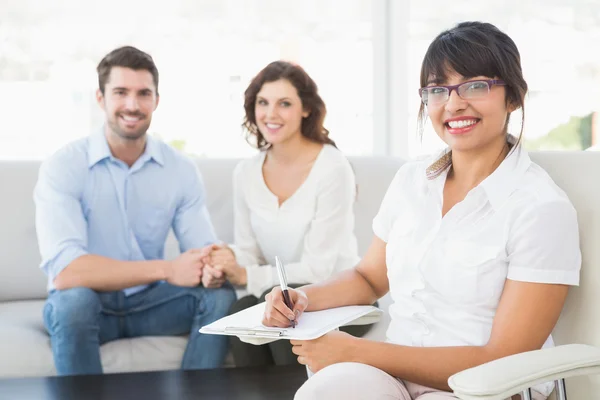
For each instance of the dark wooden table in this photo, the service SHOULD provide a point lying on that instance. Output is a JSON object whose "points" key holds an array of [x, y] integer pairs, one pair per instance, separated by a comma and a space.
{"points": [[227, 383]]}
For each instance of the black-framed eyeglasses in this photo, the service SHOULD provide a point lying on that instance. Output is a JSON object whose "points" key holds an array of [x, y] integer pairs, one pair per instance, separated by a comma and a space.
{"points": [[436, 95]]}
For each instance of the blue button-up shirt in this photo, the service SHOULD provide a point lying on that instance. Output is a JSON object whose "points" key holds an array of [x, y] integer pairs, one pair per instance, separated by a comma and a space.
{"points": [[89, 202]]}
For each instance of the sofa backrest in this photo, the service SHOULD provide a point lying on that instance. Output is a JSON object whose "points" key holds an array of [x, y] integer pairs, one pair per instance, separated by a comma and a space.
{"points": [[21, 278]]}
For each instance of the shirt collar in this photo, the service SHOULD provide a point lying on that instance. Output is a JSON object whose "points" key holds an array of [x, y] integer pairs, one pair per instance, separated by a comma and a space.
{"points": [[153, 151], [501, 183], [99, 150], [506, 178]]}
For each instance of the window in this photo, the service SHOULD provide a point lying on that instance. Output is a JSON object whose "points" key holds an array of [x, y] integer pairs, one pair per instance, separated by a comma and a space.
{"points": [[206, 52], [364, 55]]}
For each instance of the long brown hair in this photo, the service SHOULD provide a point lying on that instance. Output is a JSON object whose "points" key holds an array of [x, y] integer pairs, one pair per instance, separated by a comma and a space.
{"points": [[312, 126]]}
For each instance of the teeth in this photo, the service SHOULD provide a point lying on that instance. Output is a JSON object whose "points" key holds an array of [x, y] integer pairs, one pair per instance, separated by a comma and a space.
{"points": [[130, 119], [462, 123], [273, 126]]}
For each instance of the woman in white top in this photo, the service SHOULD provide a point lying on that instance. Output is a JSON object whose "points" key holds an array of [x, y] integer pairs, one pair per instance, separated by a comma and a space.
{"points": [[293, 200], [477, 246]]}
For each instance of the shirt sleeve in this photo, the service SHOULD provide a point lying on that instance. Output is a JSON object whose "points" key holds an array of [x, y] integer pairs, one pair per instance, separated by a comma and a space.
{"points": [[60, 223], [192, 225], [543, 246], [328, 232], [246, 249], [384, 220]]}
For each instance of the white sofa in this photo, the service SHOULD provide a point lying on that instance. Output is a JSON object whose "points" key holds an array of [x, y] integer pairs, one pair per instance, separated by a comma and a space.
{"points": [[24, 343]]}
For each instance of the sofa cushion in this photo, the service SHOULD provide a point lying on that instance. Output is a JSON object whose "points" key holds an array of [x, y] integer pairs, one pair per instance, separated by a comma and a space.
{"points": [[25, 346], [24, 343]]}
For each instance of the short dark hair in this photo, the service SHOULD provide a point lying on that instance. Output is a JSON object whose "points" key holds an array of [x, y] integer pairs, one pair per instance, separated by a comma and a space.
{"points": [[127, 57], [312, 126], [476, 49]]}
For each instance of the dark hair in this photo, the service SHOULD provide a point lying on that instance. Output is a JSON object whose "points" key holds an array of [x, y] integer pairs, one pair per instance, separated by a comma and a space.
{"points": [[128, 57], [476, 49], [312, 125]]}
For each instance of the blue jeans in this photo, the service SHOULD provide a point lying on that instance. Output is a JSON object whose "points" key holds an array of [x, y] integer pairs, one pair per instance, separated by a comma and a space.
{"points": [[79, 320]]}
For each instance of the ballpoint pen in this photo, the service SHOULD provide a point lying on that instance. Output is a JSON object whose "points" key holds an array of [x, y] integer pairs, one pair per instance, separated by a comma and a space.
{"points": [[284, 287]]}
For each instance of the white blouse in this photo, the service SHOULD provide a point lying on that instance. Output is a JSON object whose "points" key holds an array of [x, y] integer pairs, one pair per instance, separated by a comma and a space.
{"points": [[447, 274], [312, 231]]}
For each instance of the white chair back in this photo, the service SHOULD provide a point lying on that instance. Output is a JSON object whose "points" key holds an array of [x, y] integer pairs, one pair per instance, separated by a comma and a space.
{"points": [[578, 174]]}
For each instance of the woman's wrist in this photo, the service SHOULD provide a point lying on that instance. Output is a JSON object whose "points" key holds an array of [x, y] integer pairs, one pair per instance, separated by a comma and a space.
{"points": [[241, 276], [354, 353]]}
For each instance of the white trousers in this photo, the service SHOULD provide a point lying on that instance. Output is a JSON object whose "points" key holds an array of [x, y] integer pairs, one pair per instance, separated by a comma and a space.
{"points": [[354, 381]]}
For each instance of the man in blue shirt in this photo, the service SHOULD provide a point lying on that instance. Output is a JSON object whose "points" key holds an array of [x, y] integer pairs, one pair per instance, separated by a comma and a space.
{"points": [[104, 207]]}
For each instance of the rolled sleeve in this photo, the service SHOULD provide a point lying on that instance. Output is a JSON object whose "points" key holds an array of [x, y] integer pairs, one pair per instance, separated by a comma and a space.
{"points": [[192, 224], [65, 257], [544, 245], [261, 278], [61, 227]]}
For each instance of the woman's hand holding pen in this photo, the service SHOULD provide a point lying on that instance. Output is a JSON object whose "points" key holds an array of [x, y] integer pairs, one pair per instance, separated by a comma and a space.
{"points": [[334, 347], [331, 348], [277, 313]]}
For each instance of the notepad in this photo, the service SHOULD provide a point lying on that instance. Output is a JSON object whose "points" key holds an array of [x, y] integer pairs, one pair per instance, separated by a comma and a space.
{"points": [[246, 324]]}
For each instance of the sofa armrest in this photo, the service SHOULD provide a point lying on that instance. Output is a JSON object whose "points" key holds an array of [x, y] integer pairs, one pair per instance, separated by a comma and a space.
{"points": [[502, 378]]}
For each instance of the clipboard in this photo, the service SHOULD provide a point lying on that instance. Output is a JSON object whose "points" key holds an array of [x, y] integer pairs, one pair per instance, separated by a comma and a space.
{"points": [[246, 324]]}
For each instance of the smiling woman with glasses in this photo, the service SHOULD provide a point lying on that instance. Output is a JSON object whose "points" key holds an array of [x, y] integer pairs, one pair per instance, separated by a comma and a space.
{"points": [[477, 245]]}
